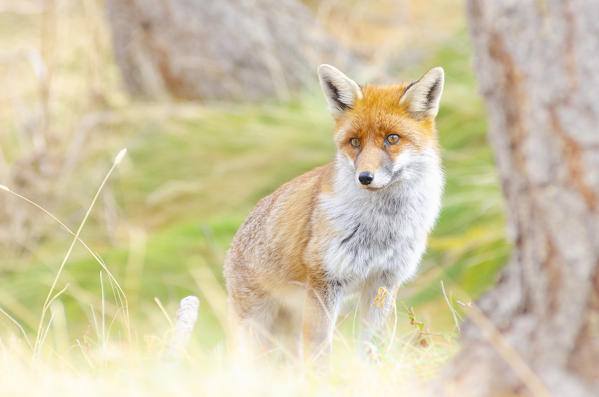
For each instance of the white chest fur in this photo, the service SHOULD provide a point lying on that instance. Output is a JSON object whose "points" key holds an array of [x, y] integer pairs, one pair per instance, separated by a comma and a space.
{"points": [[383, 230]]}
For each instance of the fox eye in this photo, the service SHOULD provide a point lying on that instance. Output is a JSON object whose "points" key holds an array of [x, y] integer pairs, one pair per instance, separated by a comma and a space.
{"points": [[355, 143], [392, 139]]}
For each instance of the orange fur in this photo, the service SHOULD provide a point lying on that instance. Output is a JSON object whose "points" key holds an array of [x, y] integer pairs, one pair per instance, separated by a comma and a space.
{"points": [[279, 251]]}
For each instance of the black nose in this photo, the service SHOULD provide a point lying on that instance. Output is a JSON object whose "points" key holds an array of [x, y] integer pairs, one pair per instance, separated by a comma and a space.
{"points": [[365, 178]]}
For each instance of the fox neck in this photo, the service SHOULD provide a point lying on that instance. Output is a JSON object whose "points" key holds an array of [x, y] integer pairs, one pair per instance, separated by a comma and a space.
{"points": [[384, 229]]}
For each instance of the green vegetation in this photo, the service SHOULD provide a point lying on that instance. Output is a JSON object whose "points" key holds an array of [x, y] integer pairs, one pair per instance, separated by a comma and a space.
{"points": [[192, 174]]}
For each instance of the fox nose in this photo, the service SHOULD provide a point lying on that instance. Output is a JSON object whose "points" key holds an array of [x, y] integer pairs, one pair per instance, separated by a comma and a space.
{"points": [[365, 178]]}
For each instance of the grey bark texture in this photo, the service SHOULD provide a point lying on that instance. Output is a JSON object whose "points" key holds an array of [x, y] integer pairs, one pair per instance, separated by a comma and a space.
{"points": [[538, 68], [225, 49]]}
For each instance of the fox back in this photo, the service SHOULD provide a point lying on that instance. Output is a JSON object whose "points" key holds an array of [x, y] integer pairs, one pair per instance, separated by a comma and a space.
{"points": [[356, 225]]}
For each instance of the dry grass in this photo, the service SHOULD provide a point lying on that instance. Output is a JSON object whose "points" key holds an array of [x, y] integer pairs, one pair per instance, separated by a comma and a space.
{"points": [[123, 364], [118, 371], [136, 365]]}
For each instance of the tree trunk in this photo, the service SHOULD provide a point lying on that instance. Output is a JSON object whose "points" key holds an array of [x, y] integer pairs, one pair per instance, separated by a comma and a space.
{"points": [[225, 49], [537, 66]]}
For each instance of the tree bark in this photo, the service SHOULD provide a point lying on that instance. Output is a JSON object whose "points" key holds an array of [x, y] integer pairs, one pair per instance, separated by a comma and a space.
{"points": [[225, 49], [537, 66]]}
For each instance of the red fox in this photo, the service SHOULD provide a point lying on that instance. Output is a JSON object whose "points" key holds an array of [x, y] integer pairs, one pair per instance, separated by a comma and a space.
{"points": [[352, 226]]}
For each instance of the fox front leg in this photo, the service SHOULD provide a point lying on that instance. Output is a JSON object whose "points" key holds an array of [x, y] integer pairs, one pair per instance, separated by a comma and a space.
{"points": [[321, 308], [376, 301]]}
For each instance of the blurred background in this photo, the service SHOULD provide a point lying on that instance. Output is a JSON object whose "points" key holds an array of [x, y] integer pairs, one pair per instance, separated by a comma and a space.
{"points": [[218, 104]]}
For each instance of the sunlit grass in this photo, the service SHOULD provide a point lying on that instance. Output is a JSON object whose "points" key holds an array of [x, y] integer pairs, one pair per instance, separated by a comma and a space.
{"points": [[190, 179], [166, 216], [115, 370]]}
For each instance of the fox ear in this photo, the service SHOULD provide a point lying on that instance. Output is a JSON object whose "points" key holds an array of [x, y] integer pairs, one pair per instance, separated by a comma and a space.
{"points": [[422, 97], [339, 90]]}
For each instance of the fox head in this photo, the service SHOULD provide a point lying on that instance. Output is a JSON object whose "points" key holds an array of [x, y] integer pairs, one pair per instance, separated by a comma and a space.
{"points": [[383, 133]]}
